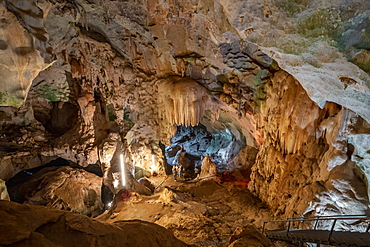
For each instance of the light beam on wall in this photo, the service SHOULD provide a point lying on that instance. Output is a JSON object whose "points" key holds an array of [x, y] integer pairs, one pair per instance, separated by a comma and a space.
{"points": [[153, 167], [123, 172]]}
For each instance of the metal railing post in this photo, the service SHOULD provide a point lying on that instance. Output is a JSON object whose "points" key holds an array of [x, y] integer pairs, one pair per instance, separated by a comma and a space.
{"points": [[332, 229], [314, 236], [316, 223], [287, 231]]}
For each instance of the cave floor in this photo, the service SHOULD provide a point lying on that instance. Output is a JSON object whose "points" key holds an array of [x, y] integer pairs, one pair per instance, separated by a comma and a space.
{"points": [[200, 213]]}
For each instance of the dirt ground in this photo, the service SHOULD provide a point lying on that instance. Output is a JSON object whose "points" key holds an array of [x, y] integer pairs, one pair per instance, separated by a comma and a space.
{"points": [[203, 212]]}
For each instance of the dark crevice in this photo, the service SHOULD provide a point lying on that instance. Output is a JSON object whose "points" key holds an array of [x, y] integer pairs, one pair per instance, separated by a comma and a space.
{"points": [[25, 175]]}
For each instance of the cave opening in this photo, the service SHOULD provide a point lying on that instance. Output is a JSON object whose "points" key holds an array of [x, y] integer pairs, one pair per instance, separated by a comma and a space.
{"points": [[57, 117], [196, 142]]}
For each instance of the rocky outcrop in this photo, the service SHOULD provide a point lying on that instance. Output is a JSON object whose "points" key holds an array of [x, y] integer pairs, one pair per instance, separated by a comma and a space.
{"points": [[314, 42], [306, 164], [249, 236], [24, 225], [3, 191], [20, 61], [222, 146], [64, 188], [83, 97], [185, 101], [209, 169]]}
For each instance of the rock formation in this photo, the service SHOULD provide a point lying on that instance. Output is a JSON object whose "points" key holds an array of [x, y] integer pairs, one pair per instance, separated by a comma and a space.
{"points": [[281, 86], [306, 161], [3, 191], [204, 213], [24, 225], [209, 169], [20, 59], [248, 237], [52, 187]]}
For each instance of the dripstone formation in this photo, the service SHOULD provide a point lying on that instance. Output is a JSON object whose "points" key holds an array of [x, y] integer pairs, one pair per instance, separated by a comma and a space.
{"points": [[275, 93]]}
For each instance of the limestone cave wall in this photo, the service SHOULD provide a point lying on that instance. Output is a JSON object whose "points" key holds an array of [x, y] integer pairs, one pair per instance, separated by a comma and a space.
{"points": [[109, 62], [88, 80], [307, 162]]}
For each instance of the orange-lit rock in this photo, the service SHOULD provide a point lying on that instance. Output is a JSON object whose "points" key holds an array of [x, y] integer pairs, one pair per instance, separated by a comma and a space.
{"points": [[282, 88], [305, 165], [36, 225]]}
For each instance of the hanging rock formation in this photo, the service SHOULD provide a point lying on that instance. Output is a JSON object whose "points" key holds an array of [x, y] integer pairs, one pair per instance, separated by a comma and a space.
{"points": [[305, 164], [185, 101], [287, 79]]}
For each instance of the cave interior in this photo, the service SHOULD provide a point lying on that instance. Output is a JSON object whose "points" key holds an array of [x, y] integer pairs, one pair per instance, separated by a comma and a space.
{"points": [[181, 123]]}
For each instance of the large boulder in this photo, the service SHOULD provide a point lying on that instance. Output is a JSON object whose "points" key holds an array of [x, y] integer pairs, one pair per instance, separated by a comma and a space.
{"points": [[249, 236], [63, 187], [28, 225]]}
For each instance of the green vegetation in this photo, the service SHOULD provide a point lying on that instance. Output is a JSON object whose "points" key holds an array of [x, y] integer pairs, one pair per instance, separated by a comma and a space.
{"points": [[188, 59], [292, 7], [259, 96], [10, 100], [47, 91], [224, 118], [217, 89], [126, 117], [322, 22], [111, 113], [27, 121]]}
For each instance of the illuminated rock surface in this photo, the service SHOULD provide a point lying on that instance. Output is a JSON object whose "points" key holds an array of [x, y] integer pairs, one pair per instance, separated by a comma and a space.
{"points": [[52, 186], [25, 225], [20, 62], [204, 213], [281, 86], [306, 163]]}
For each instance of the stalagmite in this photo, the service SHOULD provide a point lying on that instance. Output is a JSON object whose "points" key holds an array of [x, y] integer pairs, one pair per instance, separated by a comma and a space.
{"points": [[3, 191]]}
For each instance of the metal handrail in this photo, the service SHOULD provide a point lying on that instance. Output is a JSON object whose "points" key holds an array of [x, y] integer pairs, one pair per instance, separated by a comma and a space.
{"points": [[331, 216], [350, 217], [317, 219], [336, 216]]}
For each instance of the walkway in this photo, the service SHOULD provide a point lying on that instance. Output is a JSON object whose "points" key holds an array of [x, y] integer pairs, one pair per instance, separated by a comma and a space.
{"points": [[308, 230]]}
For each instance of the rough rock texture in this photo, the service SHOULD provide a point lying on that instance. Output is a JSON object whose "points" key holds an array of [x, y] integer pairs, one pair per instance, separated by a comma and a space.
{"points": [[64, 188], [209, 169], [249, 236], [221, 145], [24, 225], [305, 165], [3, 191], [284, 77], [117, 91], [185, 101], [314, 41], [203, 213], [20, 62]]}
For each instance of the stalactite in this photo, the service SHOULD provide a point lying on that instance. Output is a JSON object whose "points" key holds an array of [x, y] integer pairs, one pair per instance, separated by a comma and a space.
{"points": [[185, 101]]}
